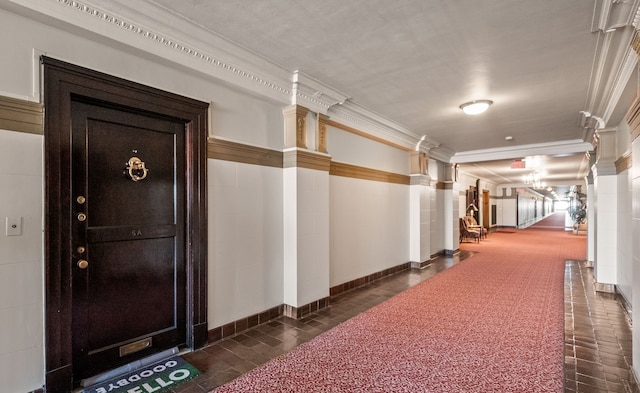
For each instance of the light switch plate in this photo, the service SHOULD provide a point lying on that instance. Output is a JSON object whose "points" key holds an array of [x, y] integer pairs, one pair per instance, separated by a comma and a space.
{"points": [[14, 226]]}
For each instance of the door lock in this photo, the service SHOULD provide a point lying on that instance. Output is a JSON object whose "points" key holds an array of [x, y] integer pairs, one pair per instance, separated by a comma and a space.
{"points": [[81, 216], [83, 264]]}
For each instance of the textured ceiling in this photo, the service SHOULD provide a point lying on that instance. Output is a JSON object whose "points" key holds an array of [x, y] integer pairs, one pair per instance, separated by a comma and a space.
{"points": [[415, 61]]}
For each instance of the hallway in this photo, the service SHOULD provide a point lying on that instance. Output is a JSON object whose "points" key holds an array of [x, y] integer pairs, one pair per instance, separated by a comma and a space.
{"points": [[597, 333]]}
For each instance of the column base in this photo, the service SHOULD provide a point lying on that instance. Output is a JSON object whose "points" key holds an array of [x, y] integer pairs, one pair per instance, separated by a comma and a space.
{"points": [[607, 288], [300, 312]]}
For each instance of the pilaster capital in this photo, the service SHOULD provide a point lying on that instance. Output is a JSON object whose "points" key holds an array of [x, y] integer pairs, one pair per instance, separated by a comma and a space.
{"points": [[604, 167], [295, 126], [420, 180], [419, 163]]}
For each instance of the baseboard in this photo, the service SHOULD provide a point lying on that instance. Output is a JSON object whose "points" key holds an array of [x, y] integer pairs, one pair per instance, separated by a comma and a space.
{"points": [[302, 311], [243, 324], [607, 288], [235, 327], [421, 265], [626, 305], [359, 282]]}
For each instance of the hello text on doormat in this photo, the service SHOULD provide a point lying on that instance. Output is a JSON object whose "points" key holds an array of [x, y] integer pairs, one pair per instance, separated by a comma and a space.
{"points": [[156, 378]]}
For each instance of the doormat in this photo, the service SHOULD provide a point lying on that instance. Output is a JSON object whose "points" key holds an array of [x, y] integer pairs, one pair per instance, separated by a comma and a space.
{"points": [[155, 378]]}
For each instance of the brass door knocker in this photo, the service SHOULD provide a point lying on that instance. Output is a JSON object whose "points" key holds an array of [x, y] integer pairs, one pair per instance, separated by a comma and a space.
{"points": [[136, 169]]}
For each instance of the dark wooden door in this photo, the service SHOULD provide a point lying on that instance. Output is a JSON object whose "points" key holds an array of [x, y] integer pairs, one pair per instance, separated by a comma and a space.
{"points": [[127, 221], [125, 252]]}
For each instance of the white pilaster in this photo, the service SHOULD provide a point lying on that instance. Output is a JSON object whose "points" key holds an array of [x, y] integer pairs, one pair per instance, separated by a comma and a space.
{"points": [[419, 219], [635, 228], [605, 208], [451, 225], [591, 220], [306, 235]]}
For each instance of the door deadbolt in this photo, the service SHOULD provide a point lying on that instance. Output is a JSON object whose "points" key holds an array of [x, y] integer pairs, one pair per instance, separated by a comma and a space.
{"points": [[80, 250], [83, 264], [81, 217], [81, 200]]}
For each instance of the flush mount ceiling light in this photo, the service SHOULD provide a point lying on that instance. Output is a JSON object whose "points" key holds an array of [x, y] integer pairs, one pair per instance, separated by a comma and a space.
{"points": [[475, 107]]}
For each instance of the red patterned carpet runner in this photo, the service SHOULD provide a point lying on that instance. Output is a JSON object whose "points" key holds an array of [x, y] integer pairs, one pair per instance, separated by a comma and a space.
{"points": [[552, 221], [492, 323]]}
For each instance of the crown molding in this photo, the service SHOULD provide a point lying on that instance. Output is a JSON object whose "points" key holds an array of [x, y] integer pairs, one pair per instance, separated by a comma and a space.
{"points": [[610, 15], [504, 153], [614, 59], [357, 116], [314, 94], [156, 33]]}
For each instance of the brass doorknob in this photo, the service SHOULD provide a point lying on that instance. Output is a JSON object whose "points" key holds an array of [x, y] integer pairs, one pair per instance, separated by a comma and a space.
{"points": [[82, 264]]}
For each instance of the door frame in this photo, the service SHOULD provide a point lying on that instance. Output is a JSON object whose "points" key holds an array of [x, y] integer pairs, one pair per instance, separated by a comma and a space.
{"points": [[486, 209], [62, 82]]}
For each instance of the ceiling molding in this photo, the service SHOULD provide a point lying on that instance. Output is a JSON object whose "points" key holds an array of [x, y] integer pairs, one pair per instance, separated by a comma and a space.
{"points": [[621, 79], [314, 94], [357, 116], [614, 59], [610, 15], [551, 183], [156, 33], [561, 147]]}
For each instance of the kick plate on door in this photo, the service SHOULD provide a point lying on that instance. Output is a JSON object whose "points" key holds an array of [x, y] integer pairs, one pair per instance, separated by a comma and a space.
{"points": [[135, 347]]}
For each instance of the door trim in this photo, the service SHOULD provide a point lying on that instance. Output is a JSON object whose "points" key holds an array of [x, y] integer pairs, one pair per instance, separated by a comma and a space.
{"points": [[62, 82]]}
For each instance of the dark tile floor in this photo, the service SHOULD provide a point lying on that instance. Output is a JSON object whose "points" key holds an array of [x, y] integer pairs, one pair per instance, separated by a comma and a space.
{"points": [[597, 349], [597, 336]]}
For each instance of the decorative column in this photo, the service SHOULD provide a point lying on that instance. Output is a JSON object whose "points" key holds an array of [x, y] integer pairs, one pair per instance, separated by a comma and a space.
{"points": [[419, 211], [321, 133], [605, 205], [591, 220], [451, 222], [447, 201], [295, 126], [305, 219]]}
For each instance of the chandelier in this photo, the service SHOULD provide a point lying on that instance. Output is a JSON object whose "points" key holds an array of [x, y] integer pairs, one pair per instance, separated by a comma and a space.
{"points": [[533, 180]]}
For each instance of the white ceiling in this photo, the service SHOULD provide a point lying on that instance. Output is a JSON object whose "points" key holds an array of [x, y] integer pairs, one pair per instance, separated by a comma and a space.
{"points": [[416, 61], [413, 62]]}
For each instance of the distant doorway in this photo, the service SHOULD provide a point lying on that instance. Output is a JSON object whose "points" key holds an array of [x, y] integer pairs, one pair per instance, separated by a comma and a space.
{"points": [[486, 209]]}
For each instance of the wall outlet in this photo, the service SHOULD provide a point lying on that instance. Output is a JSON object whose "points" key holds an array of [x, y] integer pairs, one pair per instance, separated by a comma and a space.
{"points": [[13, 226]]}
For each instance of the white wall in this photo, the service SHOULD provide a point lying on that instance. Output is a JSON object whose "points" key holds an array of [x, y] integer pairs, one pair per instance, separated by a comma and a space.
{"points": [[21, 263], [420, 223], [453, 218], [349, 148], [369, 220], [245, 240], [436, 204], [635, 247], [306, 239], [369, 227], [624, 238], [624, 219], [606, 206], [506, 208]]}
